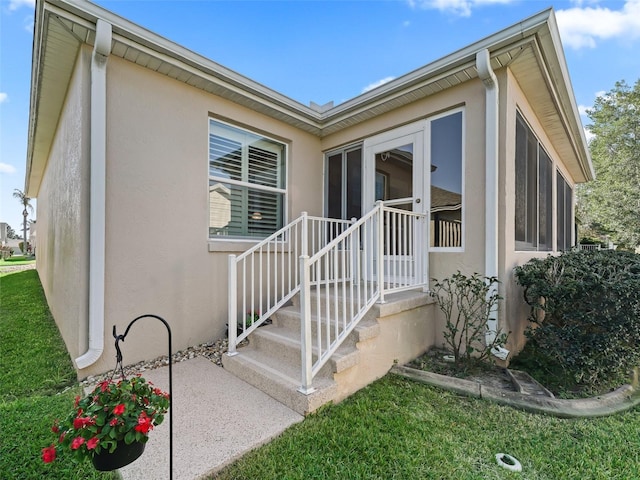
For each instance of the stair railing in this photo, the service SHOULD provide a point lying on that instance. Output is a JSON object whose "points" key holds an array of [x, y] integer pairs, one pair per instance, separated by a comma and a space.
{"points": [[385, 251], [265, 277]]}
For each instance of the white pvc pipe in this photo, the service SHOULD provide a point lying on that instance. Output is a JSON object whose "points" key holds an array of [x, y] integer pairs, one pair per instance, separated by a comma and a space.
{"points": [[98, 135], [488, 77]]}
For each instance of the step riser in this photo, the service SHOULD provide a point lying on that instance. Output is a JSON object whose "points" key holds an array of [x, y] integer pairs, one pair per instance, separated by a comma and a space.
{"points": [[288, 352], [290, 319]]}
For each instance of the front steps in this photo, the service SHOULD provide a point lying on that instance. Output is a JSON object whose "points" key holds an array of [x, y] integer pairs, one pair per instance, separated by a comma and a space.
{"points": [[394, 332]]}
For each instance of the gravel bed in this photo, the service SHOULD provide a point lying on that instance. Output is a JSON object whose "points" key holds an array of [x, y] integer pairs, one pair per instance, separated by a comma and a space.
{"points": [[213, 351]]}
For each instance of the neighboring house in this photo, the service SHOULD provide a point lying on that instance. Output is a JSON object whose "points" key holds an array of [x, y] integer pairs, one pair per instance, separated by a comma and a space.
{"points": [[136, 143]]}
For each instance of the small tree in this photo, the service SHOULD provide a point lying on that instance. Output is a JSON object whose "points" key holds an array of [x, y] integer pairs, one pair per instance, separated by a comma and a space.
{"points": [[26, 204], [467, 304]]}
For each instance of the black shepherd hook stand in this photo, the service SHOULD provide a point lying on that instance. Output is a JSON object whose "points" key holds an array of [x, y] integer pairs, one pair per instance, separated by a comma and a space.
{"points": [[119, 364]]}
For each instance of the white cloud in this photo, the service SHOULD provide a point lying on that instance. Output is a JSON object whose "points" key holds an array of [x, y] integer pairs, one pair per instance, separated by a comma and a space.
{"points": [[588, 135], [583, 27], [373, 85], [582, 109], [457, 7], [3, 97], [16, 4], [6, 168]]}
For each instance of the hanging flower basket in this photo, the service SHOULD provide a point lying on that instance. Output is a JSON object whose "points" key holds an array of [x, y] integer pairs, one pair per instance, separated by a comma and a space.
{"points": [[114, 419], [122, 456]]}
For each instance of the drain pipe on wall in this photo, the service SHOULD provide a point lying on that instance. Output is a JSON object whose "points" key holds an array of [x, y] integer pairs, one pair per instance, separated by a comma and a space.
{"points": [[97, 201], [488, 77]]}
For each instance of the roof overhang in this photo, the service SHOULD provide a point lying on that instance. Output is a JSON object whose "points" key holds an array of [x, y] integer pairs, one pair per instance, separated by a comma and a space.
{"points": [[531, 47]]}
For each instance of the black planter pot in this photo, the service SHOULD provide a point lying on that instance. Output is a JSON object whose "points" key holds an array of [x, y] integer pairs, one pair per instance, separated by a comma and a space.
{"points": [[123, 455]]}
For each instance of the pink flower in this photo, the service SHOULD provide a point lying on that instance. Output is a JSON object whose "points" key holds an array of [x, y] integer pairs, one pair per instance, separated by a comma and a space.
{"points": [[113, 422], [104, 386], [49, 454], [77, 400], [55, 428], [92, 443], [77, 443], [119, 409]]}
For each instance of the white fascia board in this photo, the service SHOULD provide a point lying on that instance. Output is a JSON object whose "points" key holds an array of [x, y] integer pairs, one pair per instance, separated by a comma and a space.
{"points": [[138, 36], [569, 101], [36, 66], [463, 57]]}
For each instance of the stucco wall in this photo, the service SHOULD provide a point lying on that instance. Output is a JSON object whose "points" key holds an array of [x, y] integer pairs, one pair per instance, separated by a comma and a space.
{"points": [[62, 241], [158, 256]]}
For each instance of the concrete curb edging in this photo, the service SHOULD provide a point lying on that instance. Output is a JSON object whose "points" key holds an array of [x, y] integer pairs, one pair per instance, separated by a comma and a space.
{"points": [[620, 400]]}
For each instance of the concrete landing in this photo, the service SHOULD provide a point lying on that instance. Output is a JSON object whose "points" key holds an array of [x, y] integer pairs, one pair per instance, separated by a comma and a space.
{"points": [[216, 419]]}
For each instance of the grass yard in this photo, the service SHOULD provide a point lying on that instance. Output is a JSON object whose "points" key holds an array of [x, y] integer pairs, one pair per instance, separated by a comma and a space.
{"points": [[17, 260], [34, 368], [398, 429]]}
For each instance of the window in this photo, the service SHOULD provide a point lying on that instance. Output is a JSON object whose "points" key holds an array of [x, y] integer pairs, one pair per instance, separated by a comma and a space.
{"points": [[246, 183], [534, 191], [564, 199], [446, 181], [344, 183]]}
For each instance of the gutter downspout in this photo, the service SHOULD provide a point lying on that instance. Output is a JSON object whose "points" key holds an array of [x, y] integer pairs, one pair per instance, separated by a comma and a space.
{"points": [[97, 201], [488, 77]]}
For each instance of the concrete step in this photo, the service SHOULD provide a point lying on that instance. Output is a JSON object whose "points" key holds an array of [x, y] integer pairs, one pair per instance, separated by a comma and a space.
{"points": [[284, 343], [289, 318], [526, 384], [279, 380]]}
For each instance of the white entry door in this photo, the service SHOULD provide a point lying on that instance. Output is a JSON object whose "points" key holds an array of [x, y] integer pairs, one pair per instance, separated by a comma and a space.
{"points": [[394, 173]]}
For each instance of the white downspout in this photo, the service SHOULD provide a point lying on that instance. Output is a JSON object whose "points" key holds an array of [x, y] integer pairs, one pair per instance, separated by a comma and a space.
{"points": [[97, 213], [488, 77]]}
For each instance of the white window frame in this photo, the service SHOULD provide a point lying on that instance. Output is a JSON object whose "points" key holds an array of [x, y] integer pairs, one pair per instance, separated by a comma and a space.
{"points": [[249, 185], [525, 246]]}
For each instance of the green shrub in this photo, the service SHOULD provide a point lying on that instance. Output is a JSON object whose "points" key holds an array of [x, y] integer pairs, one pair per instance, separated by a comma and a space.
{"points": [[467, 303], [585, 310]]}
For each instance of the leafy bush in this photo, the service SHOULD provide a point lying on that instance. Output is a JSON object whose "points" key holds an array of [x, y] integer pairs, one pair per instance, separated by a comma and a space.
{"points": [[585, 310], [467, 303]]}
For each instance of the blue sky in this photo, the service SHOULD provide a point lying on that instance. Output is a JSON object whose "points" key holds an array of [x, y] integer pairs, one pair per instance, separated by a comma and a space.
{"points": [[325, 51]]}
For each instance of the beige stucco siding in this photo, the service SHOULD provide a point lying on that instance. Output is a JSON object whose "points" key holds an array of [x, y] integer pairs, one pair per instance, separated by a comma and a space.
{"points": [[63, 201], [158, 256]]}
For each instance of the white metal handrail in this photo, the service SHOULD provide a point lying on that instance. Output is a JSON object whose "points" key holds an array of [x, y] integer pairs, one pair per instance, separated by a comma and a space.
{"points": [[384, 251], [265, 277]]}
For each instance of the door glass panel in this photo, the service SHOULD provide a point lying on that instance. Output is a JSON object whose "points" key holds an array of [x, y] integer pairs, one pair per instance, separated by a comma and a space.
{"points": [[394, 175], [334, 186], [354, 184]]}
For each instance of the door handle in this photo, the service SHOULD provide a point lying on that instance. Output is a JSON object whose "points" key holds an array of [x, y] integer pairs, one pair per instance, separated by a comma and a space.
{"points": [[417, 200]]}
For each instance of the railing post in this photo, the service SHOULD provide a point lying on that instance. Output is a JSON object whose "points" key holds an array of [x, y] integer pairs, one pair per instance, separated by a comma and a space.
{"points": [[305, 235], [232, 321], [355, 254], [380, 250], [305, 327]]}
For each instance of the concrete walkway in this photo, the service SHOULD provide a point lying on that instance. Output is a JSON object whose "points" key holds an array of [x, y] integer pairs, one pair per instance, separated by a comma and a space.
{"points": [[216, 419]]}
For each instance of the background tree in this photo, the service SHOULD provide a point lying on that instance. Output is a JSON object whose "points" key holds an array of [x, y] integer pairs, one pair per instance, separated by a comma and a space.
{"points": [[26, 204], [610, 205], [11, 233]]}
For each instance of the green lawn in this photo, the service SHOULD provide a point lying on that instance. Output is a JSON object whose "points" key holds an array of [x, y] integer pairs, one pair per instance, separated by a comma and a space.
{"points": [[17, 260], [34, 368], [397, 429]]}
